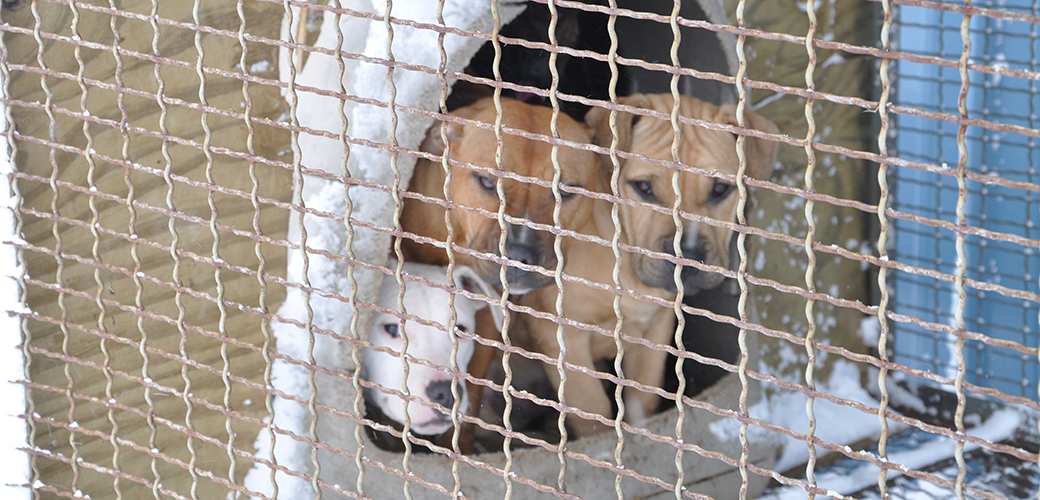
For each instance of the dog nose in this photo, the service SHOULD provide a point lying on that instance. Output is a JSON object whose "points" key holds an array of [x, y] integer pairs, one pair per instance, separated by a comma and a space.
{"points": [[696, 253], [522, 253], [440, 392], [521, 241]]}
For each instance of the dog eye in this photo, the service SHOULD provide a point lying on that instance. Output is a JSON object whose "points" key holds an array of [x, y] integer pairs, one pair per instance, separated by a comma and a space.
{"points": [[461, 328], [645, 189], [566, 195], [721, 190], [391, 329], [486, 182]]}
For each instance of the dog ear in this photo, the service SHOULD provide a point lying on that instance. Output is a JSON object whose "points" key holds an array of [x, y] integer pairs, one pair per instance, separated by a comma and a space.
{"points": [[433, 143], [468, 279], [760, 153], [598, 119]]}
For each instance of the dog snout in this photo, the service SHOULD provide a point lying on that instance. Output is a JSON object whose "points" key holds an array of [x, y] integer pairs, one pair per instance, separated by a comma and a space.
{"points": [[524, 254], [440, 392], [697, 253], [526, 246], [520, 236], [522, 245]]}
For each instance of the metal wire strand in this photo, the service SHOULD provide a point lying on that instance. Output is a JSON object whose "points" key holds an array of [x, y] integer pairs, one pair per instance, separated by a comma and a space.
{"points": [[677, 239], [615, 190], [398, 203], [742, 97], [882, 247], [810, 236], [962, 257], [456, 408], [557, 224]]}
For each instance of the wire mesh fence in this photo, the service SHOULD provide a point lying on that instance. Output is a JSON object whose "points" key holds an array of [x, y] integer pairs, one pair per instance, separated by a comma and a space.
{"points": [[507, 249]]}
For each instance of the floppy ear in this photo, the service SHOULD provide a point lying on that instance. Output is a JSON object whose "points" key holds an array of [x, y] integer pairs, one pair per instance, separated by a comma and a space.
{"points": [[467, 279], [598, 119], [433, 143], [760, 153]]}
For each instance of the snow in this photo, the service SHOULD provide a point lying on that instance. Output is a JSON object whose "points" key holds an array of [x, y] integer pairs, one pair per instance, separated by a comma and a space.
{"points": [[1000, 426], [259, 67], [869, 330], [835, 424], [14, 464], [835, 58], [372, 123]]}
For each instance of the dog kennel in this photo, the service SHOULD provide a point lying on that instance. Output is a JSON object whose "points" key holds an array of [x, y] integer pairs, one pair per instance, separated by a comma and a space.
{"points": [[205, 193]]}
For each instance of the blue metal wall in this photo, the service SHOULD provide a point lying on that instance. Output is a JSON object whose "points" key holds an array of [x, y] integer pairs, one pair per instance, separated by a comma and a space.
{"points": [[995, 98]]}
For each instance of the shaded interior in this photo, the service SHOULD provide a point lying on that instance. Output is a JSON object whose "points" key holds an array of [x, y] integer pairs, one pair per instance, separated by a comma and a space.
{"points": [[645, 40]]}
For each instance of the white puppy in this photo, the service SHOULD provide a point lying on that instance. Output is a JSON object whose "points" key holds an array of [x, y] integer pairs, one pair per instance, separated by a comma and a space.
{"points": [[424, 342]]}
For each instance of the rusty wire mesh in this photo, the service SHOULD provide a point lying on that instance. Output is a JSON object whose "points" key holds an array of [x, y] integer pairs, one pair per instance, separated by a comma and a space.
{"points": [[159, 171]]}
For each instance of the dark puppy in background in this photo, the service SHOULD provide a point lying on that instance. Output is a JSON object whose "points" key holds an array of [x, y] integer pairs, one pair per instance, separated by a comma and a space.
{"points": [[530, 66]]}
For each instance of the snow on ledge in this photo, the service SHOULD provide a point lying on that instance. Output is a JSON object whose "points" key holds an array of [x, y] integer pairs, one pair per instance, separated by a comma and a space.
{"points": [[368, 123]]}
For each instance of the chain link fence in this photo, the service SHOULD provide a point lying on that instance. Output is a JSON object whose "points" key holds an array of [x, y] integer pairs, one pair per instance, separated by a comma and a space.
{"points": [[691, 249]]}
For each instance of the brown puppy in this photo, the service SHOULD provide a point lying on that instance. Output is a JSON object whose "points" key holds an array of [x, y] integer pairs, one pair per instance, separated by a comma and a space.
{"points": [[478, 189], [702, 195], [642, 227]]}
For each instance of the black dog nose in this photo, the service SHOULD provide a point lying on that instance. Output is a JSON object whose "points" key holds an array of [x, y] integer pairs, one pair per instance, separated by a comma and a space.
{"points": [[523, 254], [440, 392], [522, 244], [696, 253]]}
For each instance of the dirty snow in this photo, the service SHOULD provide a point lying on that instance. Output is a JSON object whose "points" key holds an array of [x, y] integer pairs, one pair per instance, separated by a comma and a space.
{"points": [[835, 424], [1000, 426]]}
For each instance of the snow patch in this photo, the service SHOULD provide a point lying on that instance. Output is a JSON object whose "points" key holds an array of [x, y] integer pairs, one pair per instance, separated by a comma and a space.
{"points": [[1000, 426], [366, 122], [869, 330]]}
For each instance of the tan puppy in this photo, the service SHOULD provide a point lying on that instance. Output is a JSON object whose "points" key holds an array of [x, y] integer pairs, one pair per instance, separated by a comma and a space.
{"points": [[642, 227], [702, 195], [478, 189]]}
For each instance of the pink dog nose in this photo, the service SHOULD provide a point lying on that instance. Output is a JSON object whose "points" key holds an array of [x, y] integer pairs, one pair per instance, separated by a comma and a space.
{"points": [[440, 392]]}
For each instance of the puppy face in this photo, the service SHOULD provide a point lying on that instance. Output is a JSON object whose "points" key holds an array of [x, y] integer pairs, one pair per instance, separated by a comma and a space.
{"points": [[701, 195], [524, 200], [424, 342]]}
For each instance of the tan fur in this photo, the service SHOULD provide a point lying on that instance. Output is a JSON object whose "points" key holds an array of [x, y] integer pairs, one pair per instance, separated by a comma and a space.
{"points": [[522, 156], [642, 227], [477, 146]]}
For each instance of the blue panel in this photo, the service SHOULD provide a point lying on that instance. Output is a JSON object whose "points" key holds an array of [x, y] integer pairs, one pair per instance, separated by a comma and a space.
{"points": [[1008, 212]]}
